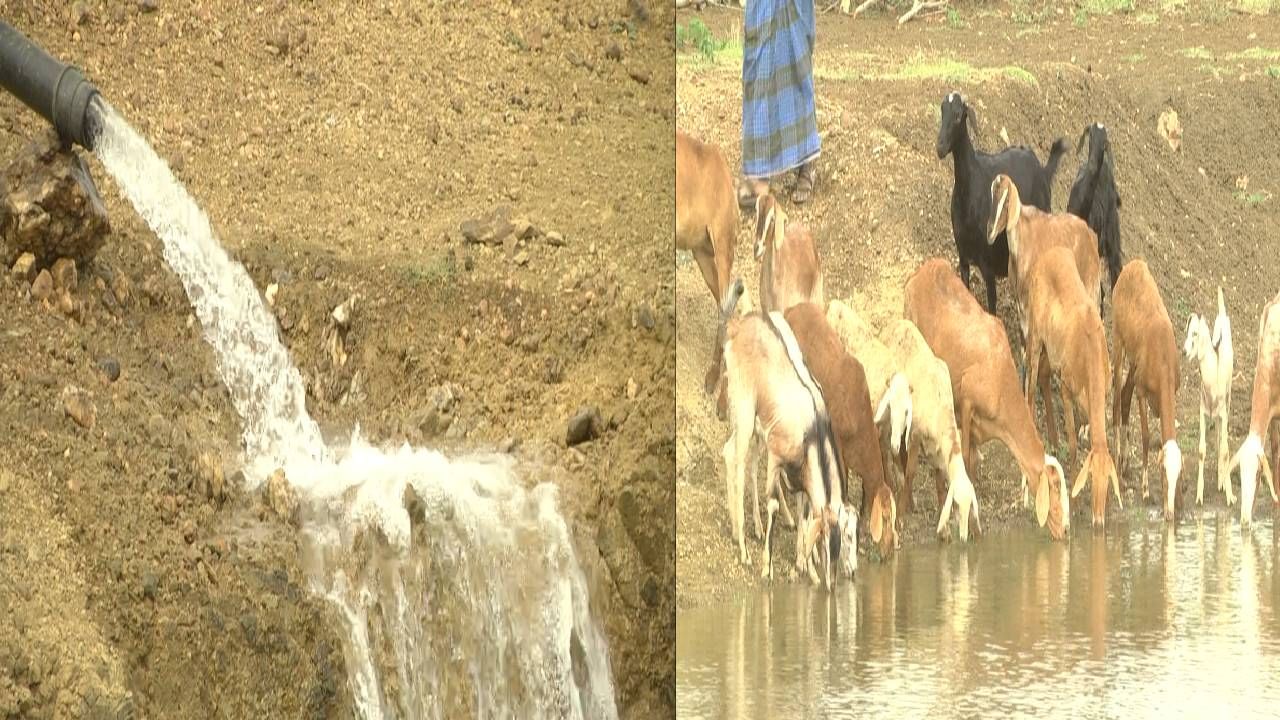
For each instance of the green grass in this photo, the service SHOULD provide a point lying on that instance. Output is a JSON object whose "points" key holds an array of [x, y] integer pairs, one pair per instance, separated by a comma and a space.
{"points": [[437, 272], [1253, 199], [1273, 72], [1107, 7], [1134, 58], [697, 40], [954, 21], [1254, 53]]}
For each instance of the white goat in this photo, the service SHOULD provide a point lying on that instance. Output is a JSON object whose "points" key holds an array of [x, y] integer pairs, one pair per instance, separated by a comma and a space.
{"points": [[1213, 353]]}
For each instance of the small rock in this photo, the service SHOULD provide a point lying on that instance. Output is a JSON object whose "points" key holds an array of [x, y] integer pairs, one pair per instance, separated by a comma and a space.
{"points": [[78, 406], [281, 498], [584, 426], [24, 268], [632, 388], [80, 13], [522, 258], [613, 52], [110, 368], [524, 230], [1170, 129], [640, 76], [189, 530], [150, 584], [643, 317], [66, 305], [148, 6], [270, 294], [342, 314], [42, 288], [555, 239]]}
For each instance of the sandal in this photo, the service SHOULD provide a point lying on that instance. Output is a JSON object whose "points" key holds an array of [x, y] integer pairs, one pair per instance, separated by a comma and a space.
{"points": [[805, 178]]}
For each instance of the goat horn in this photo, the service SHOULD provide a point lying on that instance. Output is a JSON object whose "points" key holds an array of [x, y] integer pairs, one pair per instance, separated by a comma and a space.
{"points": [[1080, 142]]}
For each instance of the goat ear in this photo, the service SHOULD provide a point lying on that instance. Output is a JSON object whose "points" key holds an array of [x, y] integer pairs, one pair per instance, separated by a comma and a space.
{"points": [[1081, 479], [876, 520], [764, 217], [883, 408], [1042, 500], [996, 224], [1235, 462], [1083, 136]]}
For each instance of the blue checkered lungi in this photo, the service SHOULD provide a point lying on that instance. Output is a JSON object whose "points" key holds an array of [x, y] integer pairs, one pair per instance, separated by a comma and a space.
{"points": [[779, 118]]}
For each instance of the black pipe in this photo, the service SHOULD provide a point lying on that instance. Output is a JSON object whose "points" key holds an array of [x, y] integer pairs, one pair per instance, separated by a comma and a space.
{"points": [[59, 92]]}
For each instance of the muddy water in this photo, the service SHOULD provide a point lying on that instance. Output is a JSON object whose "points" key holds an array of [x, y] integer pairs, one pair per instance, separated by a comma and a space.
{"points": [[1146, 621]]}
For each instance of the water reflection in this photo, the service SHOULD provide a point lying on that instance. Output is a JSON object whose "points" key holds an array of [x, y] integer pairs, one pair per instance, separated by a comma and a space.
{"points": [[1147, 620]]}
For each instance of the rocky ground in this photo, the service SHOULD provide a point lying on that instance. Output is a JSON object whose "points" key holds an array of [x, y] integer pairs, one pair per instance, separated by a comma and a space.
{"points": [[1202, 215], [481, 179]]}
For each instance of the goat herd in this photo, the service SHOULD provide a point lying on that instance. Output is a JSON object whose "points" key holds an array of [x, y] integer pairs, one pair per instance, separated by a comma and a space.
{"points": [[830, 397]]}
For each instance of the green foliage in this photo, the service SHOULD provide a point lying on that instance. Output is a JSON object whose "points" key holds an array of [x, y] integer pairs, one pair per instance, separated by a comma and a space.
{"points": [[696, 36]]}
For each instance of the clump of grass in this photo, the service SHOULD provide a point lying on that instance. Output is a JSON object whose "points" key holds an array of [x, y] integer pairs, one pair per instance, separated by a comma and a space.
{"points": [[1134, 58], [953, 71], [1108, 7], [1198, 53], [438, 272], [954, 21], [696, 36], [1252, 199], [1273, 72]]}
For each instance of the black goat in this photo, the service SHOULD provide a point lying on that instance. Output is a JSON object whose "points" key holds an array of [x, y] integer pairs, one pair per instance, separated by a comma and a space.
{"points": [[971, 194], [1095, 200]]}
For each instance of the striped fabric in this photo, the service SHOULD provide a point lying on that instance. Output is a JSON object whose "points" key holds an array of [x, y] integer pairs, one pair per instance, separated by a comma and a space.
{"points": [[779, 119]]}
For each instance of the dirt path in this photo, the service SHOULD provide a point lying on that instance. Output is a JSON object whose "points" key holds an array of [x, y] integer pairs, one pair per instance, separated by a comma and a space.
{"points": [[337, 148], [883, 199]]}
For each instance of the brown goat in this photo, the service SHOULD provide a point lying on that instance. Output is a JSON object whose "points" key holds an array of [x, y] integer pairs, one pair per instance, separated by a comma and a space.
{"points": [[706, 210], [1264, 407], [790, 273], [1144, 345], [988, 402], [844, 386], [1065, 331], [1031, 233]]}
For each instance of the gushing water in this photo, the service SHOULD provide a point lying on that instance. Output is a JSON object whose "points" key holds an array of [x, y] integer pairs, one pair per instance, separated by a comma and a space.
{"points": [[459, 588]]}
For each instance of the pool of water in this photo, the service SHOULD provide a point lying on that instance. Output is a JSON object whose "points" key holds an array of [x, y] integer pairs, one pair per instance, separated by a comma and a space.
{"points": [[1149, 620]]}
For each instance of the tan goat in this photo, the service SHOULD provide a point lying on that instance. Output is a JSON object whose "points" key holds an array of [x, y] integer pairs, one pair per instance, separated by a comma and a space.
{"points": [[706, 210], [1264, 407], [768, 382], [889, 389], [934, 431], [1214, 354], [844, 387], [1031, 233], [789, 269], [988, 402], [1065, 331], [1145, 354]]}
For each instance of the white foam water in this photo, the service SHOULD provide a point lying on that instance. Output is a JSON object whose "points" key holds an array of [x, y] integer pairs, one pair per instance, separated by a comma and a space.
{"points": [[458, 587]]}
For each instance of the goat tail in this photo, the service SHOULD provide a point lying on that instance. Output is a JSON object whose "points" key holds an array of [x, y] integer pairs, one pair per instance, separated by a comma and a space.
{"points": [[727, 306], [1056, 152]]}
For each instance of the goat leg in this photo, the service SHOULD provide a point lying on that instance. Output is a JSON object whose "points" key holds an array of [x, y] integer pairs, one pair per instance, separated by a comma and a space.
{"points": [[772, 508], [771, 477], [1202, 448], [989, 279], [1224, 467], [1068, 419], [1146, 445], [736, 450], [908, 472]]}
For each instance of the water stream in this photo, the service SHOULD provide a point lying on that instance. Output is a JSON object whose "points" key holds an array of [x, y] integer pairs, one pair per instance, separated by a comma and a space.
{"points": [[459, 588], [1147, 620]]}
